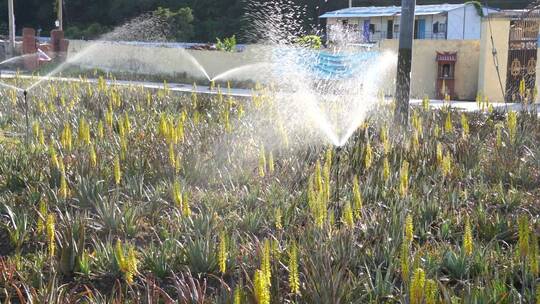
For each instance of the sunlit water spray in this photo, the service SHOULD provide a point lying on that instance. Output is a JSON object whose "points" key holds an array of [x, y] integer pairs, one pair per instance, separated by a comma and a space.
{"points": [[243, 70], [312, 91], [146, 28]]}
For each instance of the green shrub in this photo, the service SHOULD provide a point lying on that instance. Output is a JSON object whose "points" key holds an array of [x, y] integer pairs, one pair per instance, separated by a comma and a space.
{"points": [[227, 45], [310, 41]]}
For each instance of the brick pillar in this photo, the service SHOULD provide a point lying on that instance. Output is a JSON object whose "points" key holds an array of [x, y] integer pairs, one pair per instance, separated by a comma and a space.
{"points": [[60, 45], [29, 46]]}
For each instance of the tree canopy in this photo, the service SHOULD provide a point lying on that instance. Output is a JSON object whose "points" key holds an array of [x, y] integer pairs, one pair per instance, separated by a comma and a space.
{"points": [[195, 20]]}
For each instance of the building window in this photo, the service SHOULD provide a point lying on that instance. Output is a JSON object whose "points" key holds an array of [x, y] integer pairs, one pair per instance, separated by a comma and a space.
{"points": [[442, 28], [396, 28], [436, 27], [372, 28]]}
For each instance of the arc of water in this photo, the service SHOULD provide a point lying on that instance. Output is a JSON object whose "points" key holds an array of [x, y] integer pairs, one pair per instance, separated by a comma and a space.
{"points": [[241, 69]]}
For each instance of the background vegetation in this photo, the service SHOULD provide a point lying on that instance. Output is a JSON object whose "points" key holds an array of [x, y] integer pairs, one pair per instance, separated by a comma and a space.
{"points": [[210, 18]]}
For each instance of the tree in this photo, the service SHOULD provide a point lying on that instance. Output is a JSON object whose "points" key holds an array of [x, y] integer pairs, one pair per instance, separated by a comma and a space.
{"points": [[180, 23]]}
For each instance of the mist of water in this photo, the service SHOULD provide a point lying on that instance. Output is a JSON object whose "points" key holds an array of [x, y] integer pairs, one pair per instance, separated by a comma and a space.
{"points": [[17, 59], [145, 28], [308, 100], [243, 70]]}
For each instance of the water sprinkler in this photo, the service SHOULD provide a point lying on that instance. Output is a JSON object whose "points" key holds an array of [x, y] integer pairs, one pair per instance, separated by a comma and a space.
{"points": [[27, 120]]}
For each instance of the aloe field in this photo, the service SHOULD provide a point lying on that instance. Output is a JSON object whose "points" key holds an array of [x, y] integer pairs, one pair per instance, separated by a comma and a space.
{"points": [[121, 194]]}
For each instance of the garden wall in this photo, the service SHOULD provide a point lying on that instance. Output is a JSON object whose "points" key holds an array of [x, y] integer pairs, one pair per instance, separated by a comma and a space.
{"points": [[424, 70], [156, 60], [164, 60]]}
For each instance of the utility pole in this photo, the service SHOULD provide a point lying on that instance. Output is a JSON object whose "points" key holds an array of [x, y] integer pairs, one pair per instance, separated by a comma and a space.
{"points": [[403, 80], [11, 20], [60, 15]]}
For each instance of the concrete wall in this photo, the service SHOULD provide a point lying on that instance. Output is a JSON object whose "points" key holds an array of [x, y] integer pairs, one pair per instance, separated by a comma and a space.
{"points": [[163, 60], [424, 70], [488, 81], [130, 58]]}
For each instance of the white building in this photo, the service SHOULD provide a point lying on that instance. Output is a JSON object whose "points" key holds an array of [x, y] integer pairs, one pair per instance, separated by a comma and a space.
{"points": [[442, 21]]}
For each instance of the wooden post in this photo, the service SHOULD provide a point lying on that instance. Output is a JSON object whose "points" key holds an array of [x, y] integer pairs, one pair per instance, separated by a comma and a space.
{"points": [[11, 20], [60, 15], [403, 80]]}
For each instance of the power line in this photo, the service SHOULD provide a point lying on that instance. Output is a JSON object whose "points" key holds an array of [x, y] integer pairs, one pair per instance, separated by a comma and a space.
{"points": [[494, 52]]}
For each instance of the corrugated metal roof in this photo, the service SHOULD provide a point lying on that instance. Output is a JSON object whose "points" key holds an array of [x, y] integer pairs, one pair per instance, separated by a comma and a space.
{"points": [[383, 11]]}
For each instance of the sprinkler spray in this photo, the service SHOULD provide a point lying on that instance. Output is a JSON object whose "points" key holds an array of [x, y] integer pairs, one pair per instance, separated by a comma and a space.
{"points": [[337, 194]]}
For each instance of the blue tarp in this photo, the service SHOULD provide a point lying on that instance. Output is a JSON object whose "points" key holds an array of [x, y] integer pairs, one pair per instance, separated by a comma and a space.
{"points": [[324, 64]]}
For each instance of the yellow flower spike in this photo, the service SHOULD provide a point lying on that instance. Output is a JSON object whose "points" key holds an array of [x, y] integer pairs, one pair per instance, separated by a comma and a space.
{"points": [[127, 123], [83, 132], [117, 171], [186, 210], [41, 137], [498, 136], [511, 122], [404, 261], [265, 262], [92, 156], [432, 292], [418, 281], [278, 219], [66, 137], [347, 217], [404, 179], [261, 288], [262, 162], [222, 252], [368, 156], [439, 153], [465, 125], [35, 129], [467, 238], [447, 165], [180, 130], [294, 277], [196, 117], [448, 126], [177, 195], [437, 131], [425, 103], [385, 140], [386, 169], [64, 189], [172, 156], [534, 256], [109, 116], [100, 130], [522, 88], [51, 234], [415, 141], [523, 236], [237, 295], [409, 229], [417, 122], [42, 216], [132, 263], [53, 156], [271, 166], [357, 199]]}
